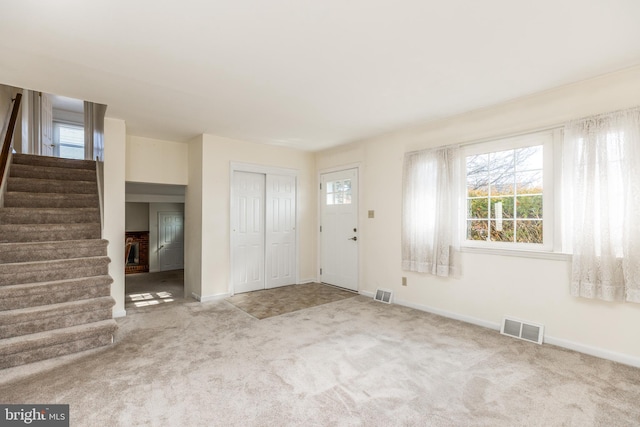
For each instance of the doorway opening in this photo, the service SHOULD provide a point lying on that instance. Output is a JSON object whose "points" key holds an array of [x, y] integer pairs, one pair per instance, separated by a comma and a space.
{"points": [[154, 245]]}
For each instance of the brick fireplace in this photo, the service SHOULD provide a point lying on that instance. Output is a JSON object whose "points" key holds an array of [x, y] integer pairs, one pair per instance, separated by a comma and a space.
{"points": [[136, 252]]}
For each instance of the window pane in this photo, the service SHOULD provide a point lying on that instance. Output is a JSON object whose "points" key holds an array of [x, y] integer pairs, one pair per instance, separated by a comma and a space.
{"points": [[71, 135], [477, 185], [501, 162], [347, 185], [529, 232], [502, 185], [329, 199], [502, 231], [529, 158], [502, 205], [529, 182], [529, 207], [330, 187], [477, 230], [69, 152], [477, 208]]}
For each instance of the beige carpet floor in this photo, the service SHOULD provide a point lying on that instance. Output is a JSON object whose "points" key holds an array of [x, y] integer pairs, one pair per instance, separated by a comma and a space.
{"points": [[287, 299], [148, 290], [353, 362]]}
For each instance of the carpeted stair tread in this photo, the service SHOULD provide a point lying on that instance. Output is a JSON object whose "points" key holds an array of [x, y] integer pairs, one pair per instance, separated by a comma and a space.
{"points": [[55, 288], [49, 215], [16, 233], [44, 251], [46, 161], [45, 345], [34, 185], [53, 292], [46, 172], [32, 320], [45, 271], [50, 200]]}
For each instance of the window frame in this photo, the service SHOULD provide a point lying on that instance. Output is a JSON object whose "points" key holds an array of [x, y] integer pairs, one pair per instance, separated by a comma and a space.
{"points": [[549, 139]]}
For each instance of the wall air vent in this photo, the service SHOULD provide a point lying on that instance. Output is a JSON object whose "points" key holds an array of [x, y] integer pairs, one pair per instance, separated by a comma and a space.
{"points": [[383, 295], [523, 330]]}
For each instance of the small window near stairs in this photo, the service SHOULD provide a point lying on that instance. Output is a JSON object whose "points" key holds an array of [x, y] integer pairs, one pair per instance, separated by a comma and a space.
{"points": [[68, 140]]}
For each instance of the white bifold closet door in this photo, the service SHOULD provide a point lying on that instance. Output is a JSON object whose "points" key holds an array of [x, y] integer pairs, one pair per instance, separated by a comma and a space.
{"points": [[264, 235]]}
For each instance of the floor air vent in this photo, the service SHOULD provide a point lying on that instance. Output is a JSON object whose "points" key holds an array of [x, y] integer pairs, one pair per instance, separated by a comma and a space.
{"points": [[523, 330], [383, 295]]}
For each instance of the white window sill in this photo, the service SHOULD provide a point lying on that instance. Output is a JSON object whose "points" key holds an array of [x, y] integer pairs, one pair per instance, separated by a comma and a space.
{"points": [[556, 256]]}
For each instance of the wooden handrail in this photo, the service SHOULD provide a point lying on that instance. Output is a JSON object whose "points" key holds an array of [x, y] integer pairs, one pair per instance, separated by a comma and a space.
{"points": [[8, 137]]}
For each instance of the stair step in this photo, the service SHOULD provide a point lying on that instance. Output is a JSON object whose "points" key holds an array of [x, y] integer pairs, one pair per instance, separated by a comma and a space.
{"points": [[53, 292], [31, 320], [49, 215], [45, 161], [34, 185], [50, 200], [45, 271], [14, 233], [46, 345], [47, 172], [46, 251]]}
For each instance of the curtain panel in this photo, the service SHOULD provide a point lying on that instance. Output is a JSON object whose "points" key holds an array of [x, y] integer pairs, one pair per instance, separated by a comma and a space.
{"points": [[601, 205], [431, 212]]}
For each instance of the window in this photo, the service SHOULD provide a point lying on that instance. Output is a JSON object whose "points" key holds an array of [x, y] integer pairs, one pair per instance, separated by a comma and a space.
{"points": [[509, 187], [339, 192], [68, 140]]}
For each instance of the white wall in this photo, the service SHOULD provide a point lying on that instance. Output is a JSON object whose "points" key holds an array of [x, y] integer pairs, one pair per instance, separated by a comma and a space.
{"points": [[209, 161], [152, 220], [114, 206], [136, 217], [492, 286], [156, 161]]}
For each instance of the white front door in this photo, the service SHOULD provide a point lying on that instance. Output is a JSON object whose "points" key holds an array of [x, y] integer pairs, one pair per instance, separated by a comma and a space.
{"points": [[170, 241], [46, 125], [339, 228], [247, 226], [280, 230]]}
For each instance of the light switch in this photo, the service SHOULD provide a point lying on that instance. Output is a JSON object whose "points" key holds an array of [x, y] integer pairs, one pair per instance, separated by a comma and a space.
{"points": [[371, 214]]}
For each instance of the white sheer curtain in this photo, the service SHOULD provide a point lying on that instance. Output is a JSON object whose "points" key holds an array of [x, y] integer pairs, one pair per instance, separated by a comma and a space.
{"points": [[431, 211], [601, 205]]}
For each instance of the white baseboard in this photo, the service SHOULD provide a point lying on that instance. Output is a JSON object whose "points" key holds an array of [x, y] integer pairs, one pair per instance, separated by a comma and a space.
{"points": [[305, 281], [581, 348], [119, 313], [207, 298], [366, 293], [450, 315], [594, 351]]}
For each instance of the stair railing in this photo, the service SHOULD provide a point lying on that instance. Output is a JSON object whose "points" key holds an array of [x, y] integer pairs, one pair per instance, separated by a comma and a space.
{"points": [[7, 144]]}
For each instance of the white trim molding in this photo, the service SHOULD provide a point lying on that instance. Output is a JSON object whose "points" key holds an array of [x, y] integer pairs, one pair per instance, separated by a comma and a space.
{"points": [[207, 298], [570, 345], [119, 313]]}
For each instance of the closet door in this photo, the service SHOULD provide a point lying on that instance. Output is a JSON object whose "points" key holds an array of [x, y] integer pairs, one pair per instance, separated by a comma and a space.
{"points": [[280, 230], [247, 226]]}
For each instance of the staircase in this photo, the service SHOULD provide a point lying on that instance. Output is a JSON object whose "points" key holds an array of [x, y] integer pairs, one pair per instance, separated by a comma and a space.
{"points": [[54, 282]]}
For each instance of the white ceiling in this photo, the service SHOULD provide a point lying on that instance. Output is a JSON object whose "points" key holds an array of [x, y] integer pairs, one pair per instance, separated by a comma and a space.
{"points": [[307, 74]]}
